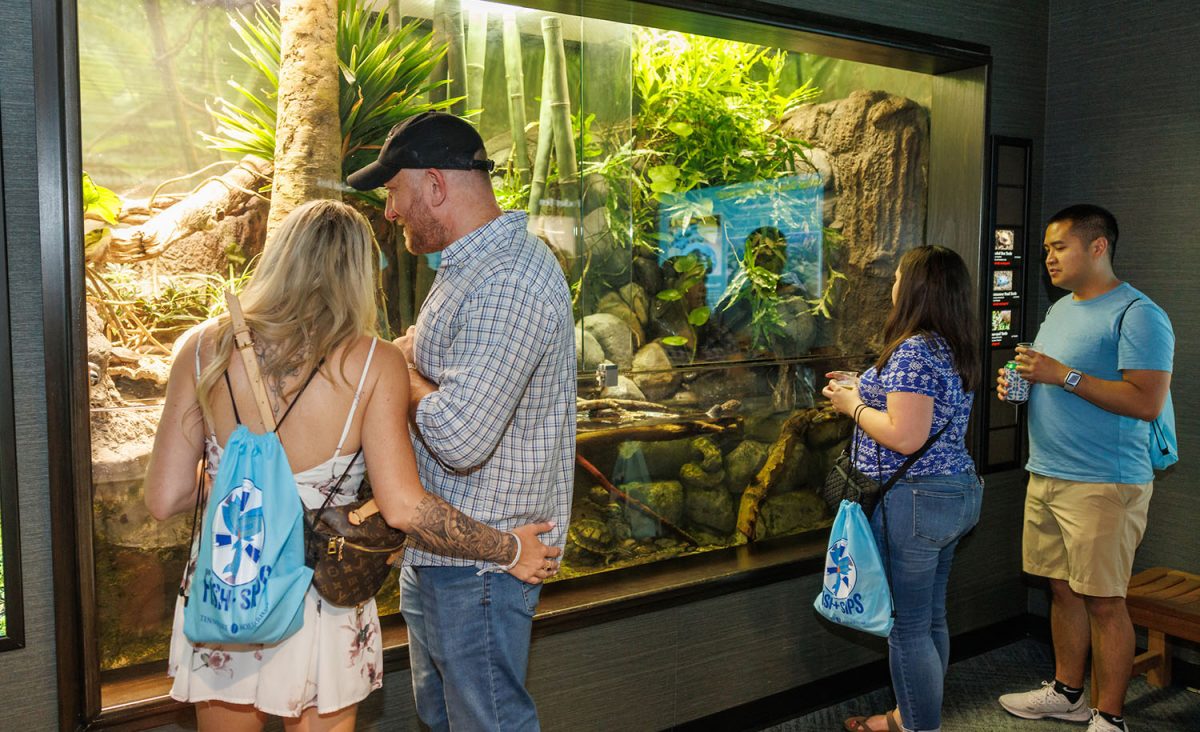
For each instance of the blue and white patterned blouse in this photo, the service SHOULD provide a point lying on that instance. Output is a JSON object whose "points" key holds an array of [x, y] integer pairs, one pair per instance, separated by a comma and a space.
{"points": [[920, 365], [497, 439]]}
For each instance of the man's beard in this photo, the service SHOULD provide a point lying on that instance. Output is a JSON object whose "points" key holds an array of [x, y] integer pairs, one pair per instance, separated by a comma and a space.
{"points": [[423, 234]]}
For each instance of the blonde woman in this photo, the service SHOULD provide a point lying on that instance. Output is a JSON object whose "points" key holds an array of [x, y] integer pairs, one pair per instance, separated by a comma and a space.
{"points": [[311, 308]]}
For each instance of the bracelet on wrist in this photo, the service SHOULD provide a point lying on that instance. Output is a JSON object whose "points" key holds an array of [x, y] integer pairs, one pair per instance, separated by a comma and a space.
{"points": [[858, 412], [517, 556]]}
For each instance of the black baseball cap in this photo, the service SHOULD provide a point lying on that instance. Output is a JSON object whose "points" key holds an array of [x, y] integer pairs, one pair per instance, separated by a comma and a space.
{"points": [[426, 140]]}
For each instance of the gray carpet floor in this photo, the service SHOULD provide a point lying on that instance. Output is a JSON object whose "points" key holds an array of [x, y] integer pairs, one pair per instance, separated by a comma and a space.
{"points": [[972, 686]]}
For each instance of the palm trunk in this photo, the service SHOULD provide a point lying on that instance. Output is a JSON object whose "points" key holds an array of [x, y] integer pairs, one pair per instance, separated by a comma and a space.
{"points": [[308, 144], [476, 54], [515, 77]]}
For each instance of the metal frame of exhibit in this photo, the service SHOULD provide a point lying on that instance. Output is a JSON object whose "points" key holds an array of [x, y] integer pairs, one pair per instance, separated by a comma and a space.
{"points": [[1028, 320], [13, 599], [59, 165]]}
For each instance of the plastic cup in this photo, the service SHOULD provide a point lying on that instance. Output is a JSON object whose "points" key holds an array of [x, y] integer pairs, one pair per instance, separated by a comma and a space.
{"points": [[844, 379]]}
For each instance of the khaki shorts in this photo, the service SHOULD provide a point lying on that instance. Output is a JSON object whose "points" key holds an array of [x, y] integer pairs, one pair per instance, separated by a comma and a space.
{"points": [[1085, 533]]}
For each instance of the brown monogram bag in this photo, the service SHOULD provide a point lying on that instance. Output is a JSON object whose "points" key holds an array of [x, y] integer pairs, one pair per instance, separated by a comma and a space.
{"points": [[350, 548]]}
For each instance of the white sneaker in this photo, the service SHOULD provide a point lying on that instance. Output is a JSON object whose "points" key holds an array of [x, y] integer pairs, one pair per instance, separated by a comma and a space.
{"points": [[1100, 724], [1046, 703]]}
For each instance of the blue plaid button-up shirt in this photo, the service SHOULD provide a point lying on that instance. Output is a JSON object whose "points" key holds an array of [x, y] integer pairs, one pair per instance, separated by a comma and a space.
{"points": [[496, 334]]}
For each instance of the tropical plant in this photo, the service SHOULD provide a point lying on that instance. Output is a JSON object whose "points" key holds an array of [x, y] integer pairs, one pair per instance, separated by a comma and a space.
{"points": [[101, 207], [707, 113], [385, 75]]}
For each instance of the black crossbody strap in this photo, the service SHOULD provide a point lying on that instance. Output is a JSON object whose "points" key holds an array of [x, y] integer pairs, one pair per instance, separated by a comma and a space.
{"points": [[912, 459]]}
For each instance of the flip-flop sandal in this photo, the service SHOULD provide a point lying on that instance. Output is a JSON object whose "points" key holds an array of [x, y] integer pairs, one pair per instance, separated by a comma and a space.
{"points": [[856, 724], [859, 724], [892, 716]]}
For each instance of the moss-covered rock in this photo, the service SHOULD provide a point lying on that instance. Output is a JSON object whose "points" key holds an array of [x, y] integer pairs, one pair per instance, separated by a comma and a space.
{"points": [[711, 507], [693, 475], [664, 497], [743, 462], [790, 513]]}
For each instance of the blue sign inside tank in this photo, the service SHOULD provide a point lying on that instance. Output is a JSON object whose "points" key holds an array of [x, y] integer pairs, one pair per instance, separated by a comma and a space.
{"points": [[788, 206]]}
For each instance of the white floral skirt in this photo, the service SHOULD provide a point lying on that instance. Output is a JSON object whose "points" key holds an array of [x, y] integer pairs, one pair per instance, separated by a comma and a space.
{"points": [[333, 661]]}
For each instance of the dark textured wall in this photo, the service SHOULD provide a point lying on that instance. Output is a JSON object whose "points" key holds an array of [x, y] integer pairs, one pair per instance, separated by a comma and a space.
{"points": [[1122, 121], [645, 672], [27, 680]]}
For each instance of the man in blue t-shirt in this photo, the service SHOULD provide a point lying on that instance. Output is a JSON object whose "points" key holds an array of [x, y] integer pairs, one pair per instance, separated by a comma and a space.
{"points": [[1100, 368]]}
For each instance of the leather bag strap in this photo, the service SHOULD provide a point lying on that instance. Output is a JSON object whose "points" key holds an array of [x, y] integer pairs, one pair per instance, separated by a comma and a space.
{"points": [[243, 341]]}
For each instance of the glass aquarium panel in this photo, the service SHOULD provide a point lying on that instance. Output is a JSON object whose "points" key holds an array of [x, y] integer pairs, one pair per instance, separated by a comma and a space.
{"points": [[728, 216]]}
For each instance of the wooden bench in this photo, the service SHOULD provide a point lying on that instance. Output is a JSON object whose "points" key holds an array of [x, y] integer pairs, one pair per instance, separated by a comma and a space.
{"points": [[1166, 602]]}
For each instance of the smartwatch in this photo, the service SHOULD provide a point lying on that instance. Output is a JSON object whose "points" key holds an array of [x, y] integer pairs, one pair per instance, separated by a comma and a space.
{"points": [[1072, 380]]}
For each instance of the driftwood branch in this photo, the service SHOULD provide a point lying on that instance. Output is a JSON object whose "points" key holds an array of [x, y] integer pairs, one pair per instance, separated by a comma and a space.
{"points": [[608, 486], [627, 404], [199, 211], [779, 458], [655, 432]]}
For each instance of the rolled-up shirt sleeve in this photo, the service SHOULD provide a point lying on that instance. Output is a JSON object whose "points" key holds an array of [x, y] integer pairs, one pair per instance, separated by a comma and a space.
{"points": [[500, 336]]}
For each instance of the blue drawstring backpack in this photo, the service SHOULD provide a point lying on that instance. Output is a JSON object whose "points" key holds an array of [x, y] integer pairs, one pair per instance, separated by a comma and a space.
{"points": [[1164, 444], [250, 577], [855, 591]]}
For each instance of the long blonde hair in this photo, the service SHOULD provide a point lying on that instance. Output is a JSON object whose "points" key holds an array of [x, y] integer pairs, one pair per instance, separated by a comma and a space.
{"points": [[313, 290]]}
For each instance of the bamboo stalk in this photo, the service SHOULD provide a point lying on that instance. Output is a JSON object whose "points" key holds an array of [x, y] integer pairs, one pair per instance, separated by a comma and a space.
{"points": [[476, 55], [545, 139], [560, 113], [170, 82], [395, 20], [448, 29], [515, 77]]}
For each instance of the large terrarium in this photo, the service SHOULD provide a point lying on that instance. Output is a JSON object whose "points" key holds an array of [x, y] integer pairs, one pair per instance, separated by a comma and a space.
{"points": [[728, 215]]}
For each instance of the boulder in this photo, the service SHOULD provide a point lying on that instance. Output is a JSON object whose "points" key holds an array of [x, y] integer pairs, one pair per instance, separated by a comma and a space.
{"points": [[665, 497], [653, 372], [625, 389], [613, 335], [743, 462], [712, 508], [588, 353], [692, 475], [790, 513]]}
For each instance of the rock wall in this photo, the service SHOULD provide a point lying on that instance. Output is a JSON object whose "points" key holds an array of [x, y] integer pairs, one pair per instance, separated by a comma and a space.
{"points": [[877, 147]]}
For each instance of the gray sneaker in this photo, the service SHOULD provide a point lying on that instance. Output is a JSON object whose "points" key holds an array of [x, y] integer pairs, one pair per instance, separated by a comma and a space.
{"points": [[1046, 703], [1100, 724]]}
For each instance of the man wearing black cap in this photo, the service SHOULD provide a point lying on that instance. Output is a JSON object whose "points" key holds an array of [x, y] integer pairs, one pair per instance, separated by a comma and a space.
{"points": [[492, 361]]}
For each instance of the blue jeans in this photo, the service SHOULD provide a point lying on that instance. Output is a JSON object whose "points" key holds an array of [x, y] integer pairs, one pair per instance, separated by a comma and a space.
{"points": [[468, 646], [925, 517]]}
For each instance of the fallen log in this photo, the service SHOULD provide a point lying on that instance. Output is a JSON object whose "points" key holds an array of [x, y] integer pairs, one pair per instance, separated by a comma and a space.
{"points": [[212, 201], [655, 432], [779, 459]]}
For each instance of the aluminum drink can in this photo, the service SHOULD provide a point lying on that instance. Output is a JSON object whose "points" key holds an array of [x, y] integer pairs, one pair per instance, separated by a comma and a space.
{"points": [[1018, 386]]}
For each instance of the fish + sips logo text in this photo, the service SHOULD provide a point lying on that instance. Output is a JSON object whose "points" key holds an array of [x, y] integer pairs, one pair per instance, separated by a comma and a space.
{"points": [[239, 532], [840, 578]]}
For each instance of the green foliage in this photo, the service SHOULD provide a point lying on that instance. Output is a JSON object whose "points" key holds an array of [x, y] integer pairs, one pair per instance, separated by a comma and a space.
{"points": [[137, 315], [757, 285], [707, 113], [100, 206], [384, 78]]}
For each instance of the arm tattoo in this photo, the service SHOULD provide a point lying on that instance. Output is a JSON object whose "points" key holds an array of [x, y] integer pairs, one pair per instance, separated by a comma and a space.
{"points": [[444, 529]]}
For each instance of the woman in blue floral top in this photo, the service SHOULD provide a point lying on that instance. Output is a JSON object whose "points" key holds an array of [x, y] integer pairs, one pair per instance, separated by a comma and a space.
{"points": [[923, 381]]}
